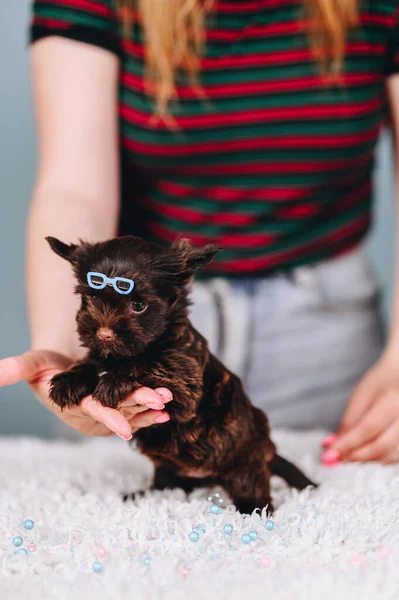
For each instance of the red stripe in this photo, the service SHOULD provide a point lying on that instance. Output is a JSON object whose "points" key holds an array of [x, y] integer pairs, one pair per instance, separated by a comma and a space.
{"points": [[248, 6], [298, 212], [226, 241], [230, 35], [199, 217], [265, 143], [50, 23], [266, 58], [381, 20], [262, 115], [252, 88], [97, 8], [235, 195]]}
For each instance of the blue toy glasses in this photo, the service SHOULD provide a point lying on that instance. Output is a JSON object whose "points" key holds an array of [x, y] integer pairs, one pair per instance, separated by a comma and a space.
{"points": [[98, 281]]}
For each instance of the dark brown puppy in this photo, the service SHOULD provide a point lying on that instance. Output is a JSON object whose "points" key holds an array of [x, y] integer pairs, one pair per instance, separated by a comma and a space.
{"points": [[144, 338]]}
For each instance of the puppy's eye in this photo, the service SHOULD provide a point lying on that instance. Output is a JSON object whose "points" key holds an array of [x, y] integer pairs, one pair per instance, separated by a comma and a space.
{"points": [[139, 307]]}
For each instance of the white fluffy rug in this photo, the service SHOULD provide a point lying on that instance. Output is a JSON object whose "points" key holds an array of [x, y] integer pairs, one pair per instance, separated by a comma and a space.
{"points": [[339, 541]]}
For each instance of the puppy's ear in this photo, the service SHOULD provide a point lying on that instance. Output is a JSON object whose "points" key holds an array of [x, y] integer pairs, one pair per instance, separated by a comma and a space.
{"points": [[63, 250], [195, 257]]}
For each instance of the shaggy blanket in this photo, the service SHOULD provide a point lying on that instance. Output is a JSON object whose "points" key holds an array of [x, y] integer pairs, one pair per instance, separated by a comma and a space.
{"points": [[339, 541]]}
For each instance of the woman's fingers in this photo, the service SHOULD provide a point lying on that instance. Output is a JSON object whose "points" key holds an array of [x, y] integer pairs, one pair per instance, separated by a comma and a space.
{"points": [[148, 418], [145, 396], [371, 426], [30, 366], [111, 418], [382, 448], [362, 398]]}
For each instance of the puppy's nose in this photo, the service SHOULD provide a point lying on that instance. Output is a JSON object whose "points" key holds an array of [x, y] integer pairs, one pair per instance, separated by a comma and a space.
{"points": [[105, 334]]}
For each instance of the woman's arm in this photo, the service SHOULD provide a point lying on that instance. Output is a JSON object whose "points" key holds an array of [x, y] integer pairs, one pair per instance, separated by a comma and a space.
{"points": [[77, 190], [370, 426], [76, 196]]}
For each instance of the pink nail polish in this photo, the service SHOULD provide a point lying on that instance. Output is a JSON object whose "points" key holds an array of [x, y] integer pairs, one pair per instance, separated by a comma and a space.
{"points": [[162, 419], [123, 437], [330, 458], [329, 440], [155, 406]]}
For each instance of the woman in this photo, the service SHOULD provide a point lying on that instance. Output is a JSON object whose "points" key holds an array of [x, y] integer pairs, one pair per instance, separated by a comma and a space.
{"points": [[252, 123]]}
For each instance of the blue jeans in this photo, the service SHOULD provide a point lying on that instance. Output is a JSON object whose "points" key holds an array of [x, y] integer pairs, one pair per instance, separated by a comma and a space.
{"points": [[300, 342]]}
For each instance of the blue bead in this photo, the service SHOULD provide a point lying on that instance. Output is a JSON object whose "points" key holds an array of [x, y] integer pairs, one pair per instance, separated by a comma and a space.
{"points": [[147, 561], [295, 518], [217, 495], [244, 515], [283, 523], [314, 517], [193, 537], [228, 529], [313, 505], [215, 510], [269, 525], [253, 535], [245, 539], [18, 541], [29, 524], [97, 567], [21, 551]]}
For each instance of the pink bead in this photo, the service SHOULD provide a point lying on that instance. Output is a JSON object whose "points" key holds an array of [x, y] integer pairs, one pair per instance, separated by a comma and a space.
{"points": [[32, 548], [356, 561], [265, 561], [185, 572], [383, 552], [101, 551]]}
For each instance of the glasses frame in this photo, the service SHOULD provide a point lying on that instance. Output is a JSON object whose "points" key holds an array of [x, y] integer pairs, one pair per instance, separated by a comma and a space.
{"points": [[107, 281]]}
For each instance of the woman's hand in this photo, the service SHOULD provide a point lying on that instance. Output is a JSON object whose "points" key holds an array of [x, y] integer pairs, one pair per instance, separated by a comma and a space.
{"points": [[369, 429], [37, 367]]}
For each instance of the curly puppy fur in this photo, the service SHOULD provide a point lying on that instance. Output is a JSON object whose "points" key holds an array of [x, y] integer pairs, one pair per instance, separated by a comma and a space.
{"points": [[215, 435]]}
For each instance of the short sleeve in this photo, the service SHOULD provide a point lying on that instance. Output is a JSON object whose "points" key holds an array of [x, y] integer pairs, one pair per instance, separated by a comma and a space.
{"points": [[90, 21]]}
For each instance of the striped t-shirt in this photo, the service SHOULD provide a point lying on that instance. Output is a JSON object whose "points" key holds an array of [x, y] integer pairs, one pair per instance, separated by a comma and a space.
{"points": [[274, 164]]}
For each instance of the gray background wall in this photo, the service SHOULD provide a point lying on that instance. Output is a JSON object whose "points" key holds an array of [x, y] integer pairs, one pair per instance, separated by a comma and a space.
{"points": [[19, 411]]}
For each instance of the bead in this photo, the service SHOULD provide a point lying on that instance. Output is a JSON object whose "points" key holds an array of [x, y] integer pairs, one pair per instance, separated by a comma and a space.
{"points": [[17, 541], [265, 561], [29, 524], [313, 505], [269, 525], [21, 551], [147, 561], [215, 510], [253, 535], [244, 515], [217, 495], [185, 572], [32, 548], [101, 551], [193, 537], [295, 518], [283, 523], [97, 567], [228, 529], [209, 498], [314, 517], [245, 539], [383, 552]]}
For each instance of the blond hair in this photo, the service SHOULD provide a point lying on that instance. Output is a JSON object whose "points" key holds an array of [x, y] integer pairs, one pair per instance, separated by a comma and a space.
{"points": [[175, 36]]}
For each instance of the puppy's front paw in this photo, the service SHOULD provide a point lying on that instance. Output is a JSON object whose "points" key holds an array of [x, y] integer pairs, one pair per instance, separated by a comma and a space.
{"points": [[69, 388], [112, 389]]}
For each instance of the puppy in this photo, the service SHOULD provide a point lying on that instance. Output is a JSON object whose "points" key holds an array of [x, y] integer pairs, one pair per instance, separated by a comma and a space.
{"points": [[134, 322]]}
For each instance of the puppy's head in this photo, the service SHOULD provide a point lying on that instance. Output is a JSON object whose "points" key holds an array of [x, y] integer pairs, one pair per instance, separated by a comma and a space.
{"points": [[131, 290]]}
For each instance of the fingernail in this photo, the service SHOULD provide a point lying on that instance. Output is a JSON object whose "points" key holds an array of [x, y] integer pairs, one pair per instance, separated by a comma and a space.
{"points": [[123, 437], [162, 419], [328, 441], [155, 406], [330, 458]]}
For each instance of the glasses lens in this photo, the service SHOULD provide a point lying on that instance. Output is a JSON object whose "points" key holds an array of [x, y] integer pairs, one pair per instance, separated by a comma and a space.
{"points": [[95, 281], [123, 285]]}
